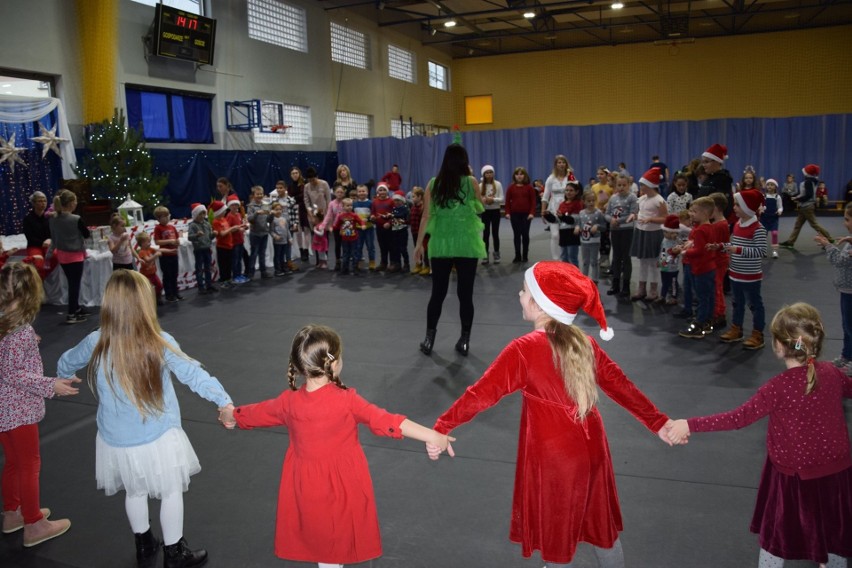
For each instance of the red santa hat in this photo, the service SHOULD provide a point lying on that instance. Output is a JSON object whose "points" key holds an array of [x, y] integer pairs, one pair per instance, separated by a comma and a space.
{"points": [[811, 170], [652, 178], [218, 208], [772, 181], [717, 153], [197, 209], [382, 184], [561, 290], [749, 200], [672, 222], [398, 195], [233, 199]]}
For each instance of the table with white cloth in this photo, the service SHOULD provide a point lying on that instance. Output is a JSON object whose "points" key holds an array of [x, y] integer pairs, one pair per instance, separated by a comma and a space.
{"points": [[98, 266]]}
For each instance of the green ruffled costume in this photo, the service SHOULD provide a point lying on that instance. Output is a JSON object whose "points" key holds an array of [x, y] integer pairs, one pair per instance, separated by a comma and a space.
{"points": [[456, 230]]}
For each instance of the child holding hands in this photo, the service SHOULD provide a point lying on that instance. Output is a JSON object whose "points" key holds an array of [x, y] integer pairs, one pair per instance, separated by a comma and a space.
{"points": [[23, 388], [326, 507], [839, 254], [141, 447], [804, 501]]}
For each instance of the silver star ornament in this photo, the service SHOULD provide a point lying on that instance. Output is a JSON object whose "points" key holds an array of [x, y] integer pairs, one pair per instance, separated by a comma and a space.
{"points": [[49, 140], [9, 152]]}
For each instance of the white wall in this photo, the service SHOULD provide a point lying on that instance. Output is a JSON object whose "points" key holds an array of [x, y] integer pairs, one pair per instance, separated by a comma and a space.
{"points": [[39, 36]]}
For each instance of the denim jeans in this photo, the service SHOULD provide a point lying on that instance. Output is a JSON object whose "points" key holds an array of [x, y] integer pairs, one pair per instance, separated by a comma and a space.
{"points": [[846, 316], [743, 292], [688, 286], [203, 260], [705, 291], [367, 237], [669, 287], [282, 251], [258, 251], [237, 260], [571, 254]]}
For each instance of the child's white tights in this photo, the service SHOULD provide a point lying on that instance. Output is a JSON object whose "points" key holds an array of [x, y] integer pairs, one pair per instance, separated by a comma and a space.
{"points": [[607, 557], [171, 515], [324, 565], [768, 560]]}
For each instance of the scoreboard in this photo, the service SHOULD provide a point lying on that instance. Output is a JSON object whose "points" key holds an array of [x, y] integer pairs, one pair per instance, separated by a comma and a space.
{"points": [[183, 35]]}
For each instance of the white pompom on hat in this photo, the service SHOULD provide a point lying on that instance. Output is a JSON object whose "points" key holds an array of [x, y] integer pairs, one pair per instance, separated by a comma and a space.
{"points": [[197, 209], [561, 290], [717, 153]]}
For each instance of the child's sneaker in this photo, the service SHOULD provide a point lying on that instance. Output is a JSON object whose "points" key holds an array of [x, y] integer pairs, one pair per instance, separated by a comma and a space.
{"points": [[372, 265], [697, 330], [774, 254], [13, 521], [847, 369], [496, 257], [43, 530], [240, 279], [417, 268], [292, 266], [755, 341], [425, 271], [840, 362], [671, 301], [735, 333]]}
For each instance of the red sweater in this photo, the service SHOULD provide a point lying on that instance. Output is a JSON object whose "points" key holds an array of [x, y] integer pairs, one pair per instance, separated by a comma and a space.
{"points": [[520, 199], [166, 233], [701, 260], [382, 211], [234, 219], [807, 434]]}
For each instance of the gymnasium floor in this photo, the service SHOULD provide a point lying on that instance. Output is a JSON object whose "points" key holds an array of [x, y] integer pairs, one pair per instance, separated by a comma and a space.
{"points": [[684, 506]]}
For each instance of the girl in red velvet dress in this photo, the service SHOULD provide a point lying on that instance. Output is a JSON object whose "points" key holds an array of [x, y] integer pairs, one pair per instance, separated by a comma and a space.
{"points": [[564, 483], [804, 502], [326, 508]]}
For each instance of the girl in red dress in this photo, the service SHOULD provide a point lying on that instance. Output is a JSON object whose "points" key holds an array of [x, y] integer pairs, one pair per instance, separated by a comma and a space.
{"points": [[326, 508], [564, 482]]}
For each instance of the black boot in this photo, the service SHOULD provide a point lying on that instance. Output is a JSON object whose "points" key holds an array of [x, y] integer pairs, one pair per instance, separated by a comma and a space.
{"points": [[147, 545], [179, 555], [429, 342], [614, 290], [463, 344], [305, 255]]}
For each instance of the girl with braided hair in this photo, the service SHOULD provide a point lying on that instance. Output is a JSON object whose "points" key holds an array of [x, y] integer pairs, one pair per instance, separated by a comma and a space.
{"points": [[326, 508], [804, 501]]}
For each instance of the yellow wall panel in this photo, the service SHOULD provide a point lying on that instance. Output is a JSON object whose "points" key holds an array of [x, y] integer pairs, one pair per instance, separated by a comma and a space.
{"points": [[97, 22], [768, 75]]}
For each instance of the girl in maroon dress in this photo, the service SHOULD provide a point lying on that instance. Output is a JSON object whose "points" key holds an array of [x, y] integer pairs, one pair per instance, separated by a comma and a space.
{"points": [[564, 482], [326, 507], [804, 502]]}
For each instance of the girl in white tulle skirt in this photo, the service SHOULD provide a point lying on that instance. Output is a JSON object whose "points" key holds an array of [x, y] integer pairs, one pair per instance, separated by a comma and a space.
{"points": [[141, 447]]}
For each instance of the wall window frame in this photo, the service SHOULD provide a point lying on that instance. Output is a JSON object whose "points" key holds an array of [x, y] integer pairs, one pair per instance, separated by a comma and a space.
{"points": [[349, 46], [402, 64], [278, 23], [170, 116], [439, 76]]}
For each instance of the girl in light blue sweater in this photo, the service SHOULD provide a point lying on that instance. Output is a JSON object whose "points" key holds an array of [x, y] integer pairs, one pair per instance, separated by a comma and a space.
{"points": [[141, 447]]}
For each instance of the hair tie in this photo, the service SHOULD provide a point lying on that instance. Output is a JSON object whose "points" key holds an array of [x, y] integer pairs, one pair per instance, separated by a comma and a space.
{"points": [[811, 361], [798, 345]]}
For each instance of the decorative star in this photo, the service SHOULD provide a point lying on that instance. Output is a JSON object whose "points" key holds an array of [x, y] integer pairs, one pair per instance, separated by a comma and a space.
{"points": [[8, 151], [49, 139]]}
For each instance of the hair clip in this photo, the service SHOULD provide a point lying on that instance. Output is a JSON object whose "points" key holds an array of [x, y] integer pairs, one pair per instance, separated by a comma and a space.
{"points": [[798, 345], [330, 356]]}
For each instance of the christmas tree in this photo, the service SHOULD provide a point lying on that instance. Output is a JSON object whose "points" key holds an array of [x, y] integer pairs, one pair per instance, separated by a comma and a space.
{"points": [[117, 164]]}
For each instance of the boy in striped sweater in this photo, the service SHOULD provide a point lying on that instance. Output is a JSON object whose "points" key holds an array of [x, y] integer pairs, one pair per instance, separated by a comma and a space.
{"points": [[747, 250]]}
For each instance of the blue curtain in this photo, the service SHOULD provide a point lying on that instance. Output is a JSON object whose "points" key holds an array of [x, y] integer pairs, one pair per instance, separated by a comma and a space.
{"points": [[193, 174], [170, 117], [38, 174], [774, 146]]}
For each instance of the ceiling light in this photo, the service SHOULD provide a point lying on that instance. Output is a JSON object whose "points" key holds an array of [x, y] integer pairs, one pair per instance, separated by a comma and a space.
{"points": [[529, 15], [449, 24], [617, 5]]}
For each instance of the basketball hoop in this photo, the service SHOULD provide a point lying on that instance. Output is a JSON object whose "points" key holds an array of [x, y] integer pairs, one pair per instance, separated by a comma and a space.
{"points": [[279, 127]]}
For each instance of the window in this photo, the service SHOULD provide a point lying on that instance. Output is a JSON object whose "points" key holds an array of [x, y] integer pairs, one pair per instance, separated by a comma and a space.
{"points": [[439, 76], [351, 126], [191, 6], [296, 117], [396, 128], [349, 47], [400, 64], [170, 116], [277, 23]]}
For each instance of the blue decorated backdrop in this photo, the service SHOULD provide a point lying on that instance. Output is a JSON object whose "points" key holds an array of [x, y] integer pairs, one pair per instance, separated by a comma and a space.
{"points": [[42, 174]]}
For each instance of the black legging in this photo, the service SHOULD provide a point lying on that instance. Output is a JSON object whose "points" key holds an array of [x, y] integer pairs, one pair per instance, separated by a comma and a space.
{"points": [[74, 274], [621, 266], [521, 232], [466, 274], [491, 220]]}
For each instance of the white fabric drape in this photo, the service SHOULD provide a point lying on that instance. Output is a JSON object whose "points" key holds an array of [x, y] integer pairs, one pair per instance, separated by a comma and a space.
{"points": [[15, 109]]}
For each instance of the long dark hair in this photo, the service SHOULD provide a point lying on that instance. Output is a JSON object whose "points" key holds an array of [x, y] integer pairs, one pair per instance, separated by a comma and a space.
{"points": [[455, 167]]}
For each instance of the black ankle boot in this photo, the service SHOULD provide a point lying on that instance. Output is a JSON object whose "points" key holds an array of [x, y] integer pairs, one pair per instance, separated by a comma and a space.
{"points": [[429, 342], [463, 344], [179, 555], [305, 255], [147, 545]]}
